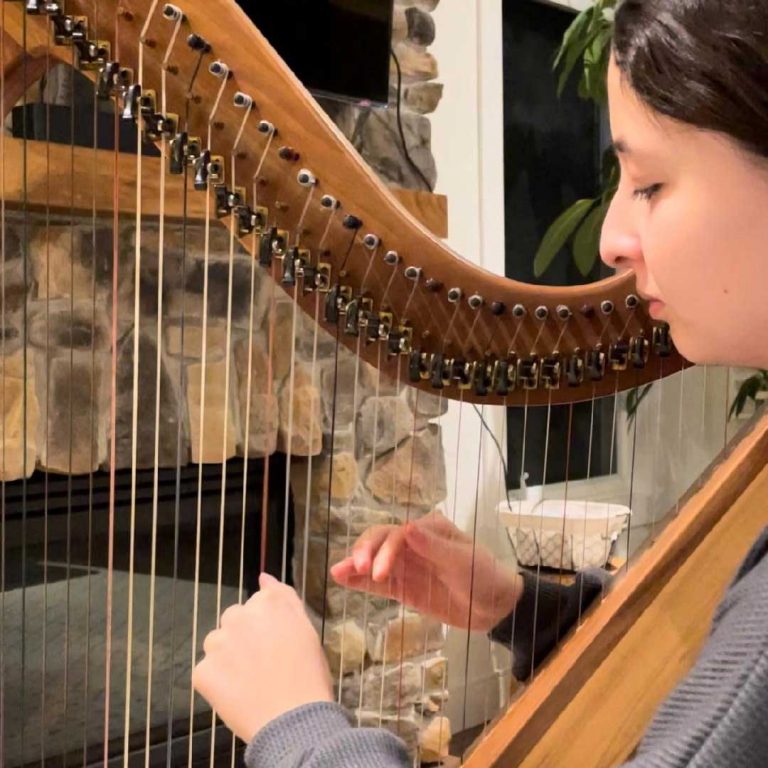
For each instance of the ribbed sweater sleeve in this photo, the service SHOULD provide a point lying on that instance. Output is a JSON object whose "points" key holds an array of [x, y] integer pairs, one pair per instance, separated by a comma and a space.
{"points": [[544, 614], [320, 736]]}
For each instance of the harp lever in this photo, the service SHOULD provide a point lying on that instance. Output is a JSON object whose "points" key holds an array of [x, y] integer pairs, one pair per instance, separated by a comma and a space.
{"points": [[131, 103]]}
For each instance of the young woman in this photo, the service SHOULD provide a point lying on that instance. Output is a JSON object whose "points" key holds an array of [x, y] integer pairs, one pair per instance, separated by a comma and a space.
{"points": [[688, 89]]}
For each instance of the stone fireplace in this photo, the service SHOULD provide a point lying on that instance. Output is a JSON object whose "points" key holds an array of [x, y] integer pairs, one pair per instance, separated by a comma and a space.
{"points": [[383, 461]]}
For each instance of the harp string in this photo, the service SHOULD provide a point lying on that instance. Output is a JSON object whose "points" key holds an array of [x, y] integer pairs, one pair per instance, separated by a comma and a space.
{"points": [[681, 409], [308, 491], [201, 425], [291, 398], [393, 516], [348, 539], [179, 420], [405, 569], [366, 596], [493, 653], [537, 592], [225, 411], [158, 384], [332, 447], [112, 408], [270, 358], [247, 436], [43, 701], [2, 389], [70, 425], [25, 259], [586, 505], [631, 488], [393, 520], [565, 508], [135, 396], [92, 419], [472, 573]]}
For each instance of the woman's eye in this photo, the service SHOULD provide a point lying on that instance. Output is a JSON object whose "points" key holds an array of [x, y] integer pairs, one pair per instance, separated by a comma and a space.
{"points": [[647, 192]]}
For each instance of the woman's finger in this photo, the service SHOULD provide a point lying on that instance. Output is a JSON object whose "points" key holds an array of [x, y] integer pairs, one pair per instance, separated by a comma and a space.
{"points": [[438, 523], [388, 553], [365, 548]]}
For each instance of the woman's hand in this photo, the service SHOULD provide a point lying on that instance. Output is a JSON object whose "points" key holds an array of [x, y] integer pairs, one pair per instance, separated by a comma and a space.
{"points": [[430, 565], [265, 660]]}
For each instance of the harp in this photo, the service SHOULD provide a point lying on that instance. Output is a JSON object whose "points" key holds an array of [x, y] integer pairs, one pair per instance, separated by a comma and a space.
{"points": [[237, 180]]}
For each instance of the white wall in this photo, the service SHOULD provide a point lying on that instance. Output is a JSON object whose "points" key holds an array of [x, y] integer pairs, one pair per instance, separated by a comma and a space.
{"points": [[467, 142]]}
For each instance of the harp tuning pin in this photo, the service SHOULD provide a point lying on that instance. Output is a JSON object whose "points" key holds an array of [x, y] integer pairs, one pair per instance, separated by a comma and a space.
{"points": [[219, 69], [371, 241], [631, 301], [498, 308], [392, 258], [476, 301], [588, 311], [199, 44], [413, 273], [606, 307], [243, 100], [454, 295], [34, 6], [306, 178], [172, 12], [289, 154], [541, 313], [352, 222], [564, 312], [519, 311], [266, 127], [433, 285], [330, 202]]}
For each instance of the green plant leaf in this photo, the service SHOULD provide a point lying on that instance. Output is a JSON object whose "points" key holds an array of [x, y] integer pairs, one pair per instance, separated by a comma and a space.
{"points": [[559, 233], [570, 62], [749, 390], [634, 398], [586, 243], [575, 35]]}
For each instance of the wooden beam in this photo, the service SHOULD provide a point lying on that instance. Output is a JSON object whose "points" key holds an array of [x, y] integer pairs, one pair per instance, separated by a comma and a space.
{"points": [[50, 175]]}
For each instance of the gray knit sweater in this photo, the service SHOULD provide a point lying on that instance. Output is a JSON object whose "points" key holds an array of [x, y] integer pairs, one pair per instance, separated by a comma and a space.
{"points": [[716, 718]]}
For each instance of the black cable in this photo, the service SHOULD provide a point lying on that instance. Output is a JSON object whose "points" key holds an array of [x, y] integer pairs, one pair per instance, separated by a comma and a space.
{"points": [[407, 154], [421, 175], [499, 451]]}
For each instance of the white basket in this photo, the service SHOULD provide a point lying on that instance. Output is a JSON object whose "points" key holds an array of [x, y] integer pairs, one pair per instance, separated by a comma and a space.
{"points": [[564, 534]]}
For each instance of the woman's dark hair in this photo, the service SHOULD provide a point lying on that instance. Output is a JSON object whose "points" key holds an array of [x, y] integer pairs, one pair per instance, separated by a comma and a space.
{"points": [[703, 62]]}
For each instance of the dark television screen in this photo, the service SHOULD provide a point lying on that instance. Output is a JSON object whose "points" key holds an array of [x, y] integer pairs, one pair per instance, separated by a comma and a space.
{"points": [[335, 47]]}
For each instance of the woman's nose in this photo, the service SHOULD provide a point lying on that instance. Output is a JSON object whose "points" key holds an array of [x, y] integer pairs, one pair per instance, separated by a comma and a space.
{"points": [[619, 241]]}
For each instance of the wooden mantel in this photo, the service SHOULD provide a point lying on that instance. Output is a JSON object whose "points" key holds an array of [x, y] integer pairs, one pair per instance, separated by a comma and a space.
{"points": [[50, 176]]}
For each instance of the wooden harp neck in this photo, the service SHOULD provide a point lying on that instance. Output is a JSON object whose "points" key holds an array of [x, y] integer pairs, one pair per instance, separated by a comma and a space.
{"points": [[305, 204]]}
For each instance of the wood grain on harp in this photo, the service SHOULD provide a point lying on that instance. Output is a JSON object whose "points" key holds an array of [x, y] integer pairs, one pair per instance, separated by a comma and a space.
{"points": [[461, 330], [308, 210]]}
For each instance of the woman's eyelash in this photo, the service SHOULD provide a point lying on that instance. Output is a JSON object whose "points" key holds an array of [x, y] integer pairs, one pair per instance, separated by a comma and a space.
{"points": [[647, 192]]}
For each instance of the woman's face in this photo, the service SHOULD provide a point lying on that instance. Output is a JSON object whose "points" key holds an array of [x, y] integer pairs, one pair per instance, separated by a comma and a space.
{"points": [[690, 218]]}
